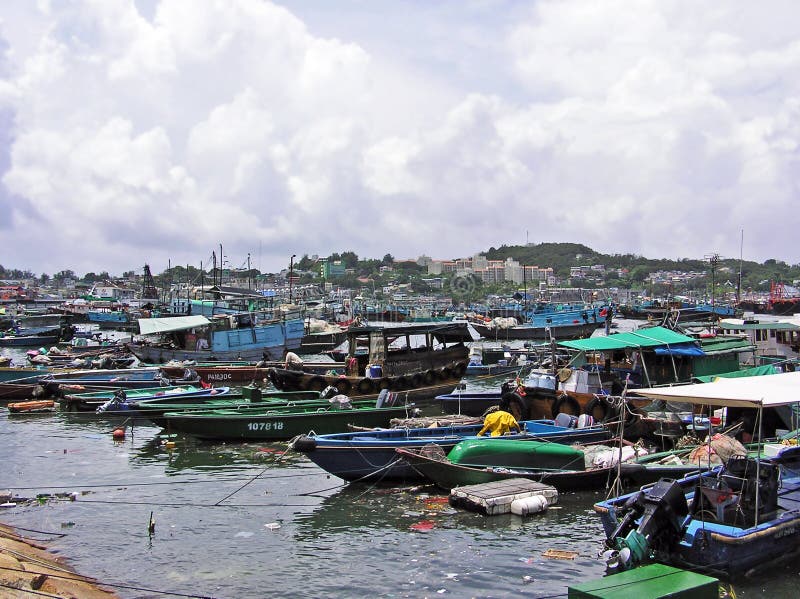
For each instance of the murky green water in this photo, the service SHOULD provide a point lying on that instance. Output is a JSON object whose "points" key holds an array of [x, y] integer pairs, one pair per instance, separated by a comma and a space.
{"points": [[248, 520]]}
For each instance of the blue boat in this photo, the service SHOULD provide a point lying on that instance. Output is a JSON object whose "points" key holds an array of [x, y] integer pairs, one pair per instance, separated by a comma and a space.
{"points": [[109, 318], [246, 336], [732, 521], [371, 455]]}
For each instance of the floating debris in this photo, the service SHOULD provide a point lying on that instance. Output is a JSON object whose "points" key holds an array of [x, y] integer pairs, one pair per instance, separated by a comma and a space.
{"points": [[559, 554], [423, 526], [272, 526]]}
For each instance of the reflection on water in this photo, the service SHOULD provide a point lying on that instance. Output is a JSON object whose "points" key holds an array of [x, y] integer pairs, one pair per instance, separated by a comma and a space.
{"points": [[178, 453]]}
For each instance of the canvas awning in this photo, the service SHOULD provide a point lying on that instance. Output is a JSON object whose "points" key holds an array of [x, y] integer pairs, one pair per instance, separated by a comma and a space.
{"points": [[150, 326], [642, 338], [747, 392], [766, 370]]}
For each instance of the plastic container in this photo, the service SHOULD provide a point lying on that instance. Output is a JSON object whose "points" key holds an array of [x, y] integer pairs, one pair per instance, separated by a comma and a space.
{"points": [[374, 371], [529, 505], [547, 381], [534, 380]]}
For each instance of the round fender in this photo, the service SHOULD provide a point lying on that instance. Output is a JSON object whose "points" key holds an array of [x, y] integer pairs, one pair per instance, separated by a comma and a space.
{"points": [[385, 383], [460, 369], [429, 378], [305, 444], [344, 386], [517, 406], [316, 383], [365, 386], [566, 404], [416, 381], [597, 408]]}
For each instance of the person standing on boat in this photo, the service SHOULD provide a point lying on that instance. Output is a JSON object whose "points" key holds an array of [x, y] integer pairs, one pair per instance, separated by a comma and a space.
{"points": [[501, 421]]}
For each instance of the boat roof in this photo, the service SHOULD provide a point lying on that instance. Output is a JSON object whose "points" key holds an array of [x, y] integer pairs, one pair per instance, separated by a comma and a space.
{"points": [[445, 331], [747, 325], [647, 337], [149, 326], [745, 392]]}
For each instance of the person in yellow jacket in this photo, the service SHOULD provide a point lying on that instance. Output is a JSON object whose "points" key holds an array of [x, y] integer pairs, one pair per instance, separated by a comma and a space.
{"points": [[500, 422]]}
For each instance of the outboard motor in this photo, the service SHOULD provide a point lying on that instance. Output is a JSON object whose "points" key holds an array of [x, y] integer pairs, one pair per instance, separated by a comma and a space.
{"points": [[328, 392], [660, 510], [117, 402]]}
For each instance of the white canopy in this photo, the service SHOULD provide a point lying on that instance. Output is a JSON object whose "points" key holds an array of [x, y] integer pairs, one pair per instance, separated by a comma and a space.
{"points": [[148, 326], [743, 392]]}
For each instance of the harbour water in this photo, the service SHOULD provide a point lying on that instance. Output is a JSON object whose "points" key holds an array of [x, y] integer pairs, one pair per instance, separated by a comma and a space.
{"points": [[252, 520]]}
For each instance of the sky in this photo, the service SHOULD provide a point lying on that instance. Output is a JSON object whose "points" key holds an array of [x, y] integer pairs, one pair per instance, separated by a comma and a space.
{"points": [[154, 131]]}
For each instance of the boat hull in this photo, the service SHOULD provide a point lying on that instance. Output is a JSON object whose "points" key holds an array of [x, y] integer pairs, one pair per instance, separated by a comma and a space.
{"points": [[371, 455], [263, 425], [563, 332], [417, 386], [706, 544], [447, 475]]}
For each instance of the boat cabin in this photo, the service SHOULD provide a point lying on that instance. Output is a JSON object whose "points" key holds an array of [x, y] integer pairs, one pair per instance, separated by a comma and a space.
{"points": [[394, 351]]}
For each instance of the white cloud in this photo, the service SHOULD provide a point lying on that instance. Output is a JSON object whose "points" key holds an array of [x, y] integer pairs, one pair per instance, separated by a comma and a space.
{"points": [[146, 133]]}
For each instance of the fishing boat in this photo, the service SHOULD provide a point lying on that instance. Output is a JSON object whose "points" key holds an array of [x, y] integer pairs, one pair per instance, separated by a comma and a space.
{"points": [[248, 336], [419, 361], [250, 396], [371, 455], [125, 378], [529, 332], [29, 340], [733, 520], [474, 462], [282, 422], [117, 399]]}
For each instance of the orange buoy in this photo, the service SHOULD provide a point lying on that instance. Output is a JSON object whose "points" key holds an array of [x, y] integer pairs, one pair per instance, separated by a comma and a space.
{"points": [[119, 433]]}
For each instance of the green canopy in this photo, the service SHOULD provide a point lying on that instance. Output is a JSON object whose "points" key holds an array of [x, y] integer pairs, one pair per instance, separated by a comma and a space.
{"points": [[757, 371], [641, 338]]}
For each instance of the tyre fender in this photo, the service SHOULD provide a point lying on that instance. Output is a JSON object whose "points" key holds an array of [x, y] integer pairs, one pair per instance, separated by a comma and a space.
{"points": [[316, 383], [517, 406], [365, 386], [566, 404], [598, 408]]}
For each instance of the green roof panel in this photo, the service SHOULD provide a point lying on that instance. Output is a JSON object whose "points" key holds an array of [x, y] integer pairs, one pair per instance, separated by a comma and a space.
{"points": [[647, 337]]}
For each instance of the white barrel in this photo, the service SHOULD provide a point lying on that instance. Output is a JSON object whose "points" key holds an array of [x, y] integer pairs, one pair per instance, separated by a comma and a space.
{"points": [[529, 505]]}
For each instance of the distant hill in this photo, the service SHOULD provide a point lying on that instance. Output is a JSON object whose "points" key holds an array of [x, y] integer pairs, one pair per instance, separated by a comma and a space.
{"points": [[561, 256]]}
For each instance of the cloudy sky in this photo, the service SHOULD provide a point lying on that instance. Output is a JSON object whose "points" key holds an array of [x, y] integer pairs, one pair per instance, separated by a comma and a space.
{"points": [[147, 131]]}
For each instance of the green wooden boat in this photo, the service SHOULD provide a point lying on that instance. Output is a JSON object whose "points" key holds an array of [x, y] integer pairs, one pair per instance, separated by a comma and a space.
{"points": [[154, 409], [513, 454], [281, 422], [557, 465]]}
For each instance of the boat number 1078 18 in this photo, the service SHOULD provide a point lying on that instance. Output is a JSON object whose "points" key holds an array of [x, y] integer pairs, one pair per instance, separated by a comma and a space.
{"points": [[265, 426]]}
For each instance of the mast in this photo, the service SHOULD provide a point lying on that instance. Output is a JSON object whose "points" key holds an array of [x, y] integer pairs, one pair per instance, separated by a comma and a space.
{"points": [[739, 282]]}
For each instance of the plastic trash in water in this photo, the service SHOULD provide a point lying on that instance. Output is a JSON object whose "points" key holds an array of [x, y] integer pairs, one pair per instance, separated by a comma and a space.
{"points": [[272, 526], [423, 526]]}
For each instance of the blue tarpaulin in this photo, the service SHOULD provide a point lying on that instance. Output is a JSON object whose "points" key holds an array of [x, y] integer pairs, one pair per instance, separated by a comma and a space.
{"points": [[681, 350]]}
